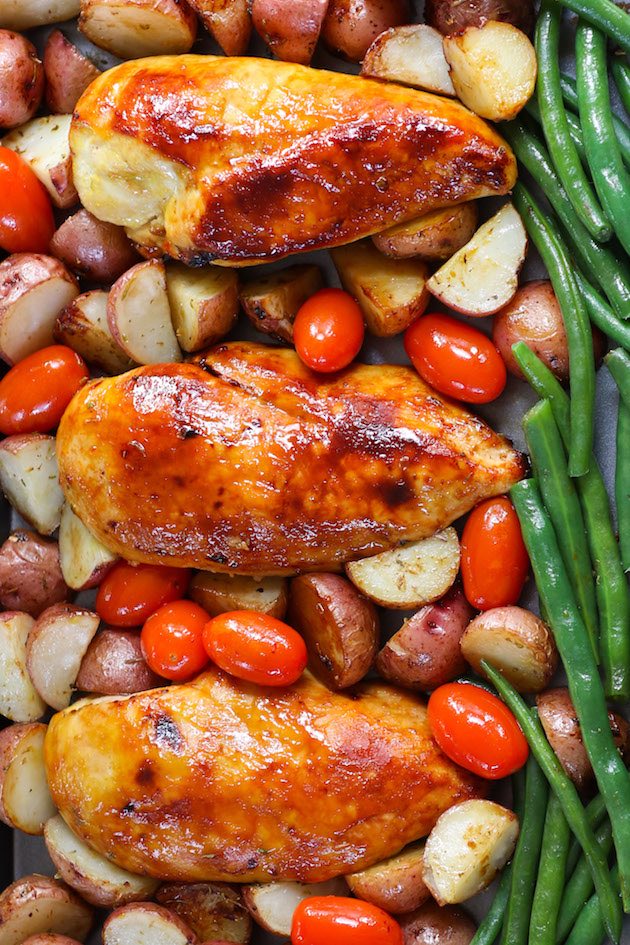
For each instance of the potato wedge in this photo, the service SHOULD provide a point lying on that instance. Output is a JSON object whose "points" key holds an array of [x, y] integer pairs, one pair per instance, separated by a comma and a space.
{"points": [[29, 479], [68, 73], [437, 925], [145, 923], [396, 884], [43, 143], [21, 15], [98, 251], [272, 301], [98, 881], [37, 904], [220, 593], [22, 79], [517, 642], [425, 652], [455, 17], [272, 905], [19, 700], [134, 28], [433, 237], [25, 801], [412, 55], [214, 911], [351, 26], [290, 29], [470, 843], [113, 664], [229, 21], [55, 648], [493, 68], [482, 276], [34, 289], [83, 326], [339, 625], [50, 938], [204, 304], [410, 576], [84, 560], [139, 315], [391, 293], [30, 573]]}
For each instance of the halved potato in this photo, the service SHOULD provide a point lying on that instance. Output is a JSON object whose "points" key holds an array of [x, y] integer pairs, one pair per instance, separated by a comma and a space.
{"points": [[98, 251], [37, 904], [214, 911], [25, 14], [145, 923], [34, 289], [339, 625], [437, 925], [54, 650], [19, 700], [29, 478], [290, 29], [229, 21], [432, 237], [25, 801], [114, 664], [220, 593], [22, 80], [391, 293], [68, 73], [134, 28], [50, 938], [412, 55], [139, 315], [30, 573], [43, 143], [482, 276], [272, 301], [493, 68], [272, 905], [83, 326], [204, 304], [410, 576], [470, 843], [84, 560], [395, 884]]}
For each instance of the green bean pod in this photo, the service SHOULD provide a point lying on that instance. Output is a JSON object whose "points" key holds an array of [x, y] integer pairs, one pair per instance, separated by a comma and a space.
{"points": [[606, 15], [621, 75], [622, 482], [590, 927], [622, 130], [618, 363], [595, 814], [551, 874], [533, 110], [580, 885], [602, 315]]}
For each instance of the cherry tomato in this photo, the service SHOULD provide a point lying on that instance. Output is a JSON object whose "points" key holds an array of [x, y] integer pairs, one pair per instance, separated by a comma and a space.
{"points": [[130, 593], [494, 558], [476, 730], [26, 217], [336, 920], [328, 330], [255, 647], [455, 358], [37, 390], [172, 640]]}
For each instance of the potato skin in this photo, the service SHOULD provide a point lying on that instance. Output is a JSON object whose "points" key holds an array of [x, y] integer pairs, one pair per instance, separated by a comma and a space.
{"points": [[454, 16], [30, 573], [209, 909], [21, 79], [113, 664], [68, 73], [351, 26], [395, 885], [96, 250], [437, 925], [50, 938], [434, 237]]}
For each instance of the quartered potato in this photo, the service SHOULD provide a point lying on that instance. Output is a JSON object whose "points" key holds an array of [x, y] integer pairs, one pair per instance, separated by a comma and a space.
{"points": [[50, 938], [98, 251], [25, 14], [272, 904], [290, 29], [30, 573], [272, 301], [19, 700], [22, 79], [134, 28], [84, 560], [43, 143], [396, 884], [83, 326], [29, 479], [412, 55], [55, 648], [37, 904], [351, 26], [139, 315], [68, 73], [437, 925], [113, 664], [229, 21], [145, 923], [214, 911], [454, 16], [434, 237], [25, 801], [204, 304], [220, 593]]}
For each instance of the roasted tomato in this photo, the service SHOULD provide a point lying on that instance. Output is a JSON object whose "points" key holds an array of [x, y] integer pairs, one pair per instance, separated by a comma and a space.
{"points": [[328, 330], [130, 593], [172, 640], [255, 647], [336, 920], [37, 390], [494, 558], [26, 217]]}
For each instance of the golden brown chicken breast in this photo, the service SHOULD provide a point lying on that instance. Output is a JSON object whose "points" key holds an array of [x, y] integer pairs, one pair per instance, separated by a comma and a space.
{"points": [[222, 780], [246, 461], [245, 160]]}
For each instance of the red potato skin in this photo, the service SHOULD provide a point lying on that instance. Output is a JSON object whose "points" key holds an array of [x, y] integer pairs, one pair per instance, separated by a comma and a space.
{"points": [[21, 79], [30, 573], [204, 907], [68, 73], [50, 938], [10, 738], [454, 16], [351, 26], [114, 664], [166, 914], [290, 29], [98, 251], [435, 925]]}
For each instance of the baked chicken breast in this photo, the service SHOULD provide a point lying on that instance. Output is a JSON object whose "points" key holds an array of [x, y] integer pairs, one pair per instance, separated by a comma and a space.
{"points": [[241, 160], [246, 461], [222, 780]]}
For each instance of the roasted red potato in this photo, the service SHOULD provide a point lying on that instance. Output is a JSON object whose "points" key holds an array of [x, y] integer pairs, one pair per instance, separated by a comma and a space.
{"points": [[351, 26], [454, 16], [290, 29], [113, 663], [433, 237], [68, 73], [131, 29], [30, 573], [214, 911], [272, 301], [21, 79], [25, 801], [37, 904], [229, 21], [220, 593], [396, 884], [98, 251], [437, 925]]}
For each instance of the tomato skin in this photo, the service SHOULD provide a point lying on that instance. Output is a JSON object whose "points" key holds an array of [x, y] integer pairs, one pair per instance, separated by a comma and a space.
{"points": [[172, 640], [255, 647], [476, 730], [26, 217], [337, 920], [456, 359], [328, 330], [35, 392], [130, 593], [495, 562]]}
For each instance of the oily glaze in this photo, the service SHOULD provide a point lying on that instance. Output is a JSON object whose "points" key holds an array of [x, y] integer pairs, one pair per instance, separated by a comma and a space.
{"points": [[246, 461], [222, 780], [242, 160]]}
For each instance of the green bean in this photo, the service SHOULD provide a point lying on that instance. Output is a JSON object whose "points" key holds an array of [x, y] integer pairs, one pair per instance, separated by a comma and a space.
{"points": [[610, 177], [533, 110], [556, 127], [580, 885], [526, 856], [618, 363], [595, 814], [577, 327], [611, 586], [621, 75], [602, 315], [622, 482], [622, 130], [551, 874], [606, 15], [560, 783], [562, 502], [589, 928], [585, 685]]}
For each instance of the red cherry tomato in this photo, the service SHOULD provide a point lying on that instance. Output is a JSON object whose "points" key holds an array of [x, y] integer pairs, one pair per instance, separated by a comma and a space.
{"points": [[255, 647], [172, 640], [328, 330], [130, 593], [476, 730], [456, 359], [494, 557], [336, 920], [26, 218], [37, 390]]}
